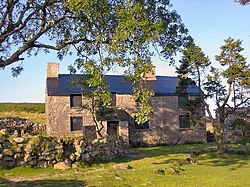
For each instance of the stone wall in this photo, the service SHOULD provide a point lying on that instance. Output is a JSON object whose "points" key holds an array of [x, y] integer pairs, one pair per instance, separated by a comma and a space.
{"points": [[18, 126], [62, 153], [164, 122]]}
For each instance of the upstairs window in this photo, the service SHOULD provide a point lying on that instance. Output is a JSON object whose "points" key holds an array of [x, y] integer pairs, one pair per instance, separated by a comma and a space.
{"points": [[76, 123], [182, 99], [184, 121], [75, 100]]}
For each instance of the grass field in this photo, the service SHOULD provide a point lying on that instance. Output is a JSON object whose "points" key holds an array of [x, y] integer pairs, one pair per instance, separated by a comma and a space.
{"points": [[32, 111], [231, 170]]}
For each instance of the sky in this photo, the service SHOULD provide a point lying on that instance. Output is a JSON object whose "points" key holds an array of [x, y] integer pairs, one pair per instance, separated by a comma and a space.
{"points": [[209, 22]]}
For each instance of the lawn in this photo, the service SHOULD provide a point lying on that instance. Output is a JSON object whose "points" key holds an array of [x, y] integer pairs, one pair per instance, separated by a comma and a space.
{"points": [[147, 167], [33, 111]]}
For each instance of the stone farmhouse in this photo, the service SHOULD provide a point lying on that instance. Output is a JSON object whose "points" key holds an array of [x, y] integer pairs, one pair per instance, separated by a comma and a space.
{"points": [[167, 124]]}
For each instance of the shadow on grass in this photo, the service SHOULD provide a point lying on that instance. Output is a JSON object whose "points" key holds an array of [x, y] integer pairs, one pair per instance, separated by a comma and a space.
{"points": [[235, 161], [179, 153], [40, 183]]}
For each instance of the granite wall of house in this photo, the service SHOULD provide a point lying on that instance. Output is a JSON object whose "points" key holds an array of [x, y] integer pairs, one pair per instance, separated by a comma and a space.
{"points": [[164, 122], [58, 113]]}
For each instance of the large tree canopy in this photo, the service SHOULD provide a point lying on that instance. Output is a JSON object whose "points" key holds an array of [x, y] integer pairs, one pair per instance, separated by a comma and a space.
{"points": [[27, 26], [127, 34], [104, 34]]}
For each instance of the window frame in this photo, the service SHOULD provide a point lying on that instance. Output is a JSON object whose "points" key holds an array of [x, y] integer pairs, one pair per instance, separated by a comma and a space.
{"points": [[182, 123], [75, 104], [74, 128], [182, 99]]}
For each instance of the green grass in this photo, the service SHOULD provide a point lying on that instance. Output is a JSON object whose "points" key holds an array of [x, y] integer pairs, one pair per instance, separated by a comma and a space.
{"points": [[231, 170], [32, 111]]}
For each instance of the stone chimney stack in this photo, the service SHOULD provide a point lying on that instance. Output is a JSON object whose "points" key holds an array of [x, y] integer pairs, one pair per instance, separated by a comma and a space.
{"points": [[52, 70], [151, 75]]}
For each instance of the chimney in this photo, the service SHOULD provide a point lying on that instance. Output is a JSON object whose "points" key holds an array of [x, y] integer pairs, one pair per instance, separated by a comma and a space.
{"points": [[150, 76], [52, 70]]}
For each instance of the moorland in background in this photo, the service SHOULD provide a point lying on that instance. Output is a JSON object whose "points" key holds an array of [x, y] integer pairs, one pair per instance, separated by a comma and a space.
{"points": [[33, 111]]}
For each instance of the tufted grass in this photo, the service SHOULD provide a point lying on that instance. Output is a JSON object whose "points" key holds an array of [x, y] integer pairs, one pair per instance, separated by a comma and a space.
{"points": [[231, 170], [33, 111]]}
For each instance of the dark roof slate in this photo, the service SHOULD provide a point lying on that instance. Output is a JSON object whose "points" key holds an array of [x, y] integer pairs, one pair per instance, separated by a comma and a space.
{"points": [[164, 85]]}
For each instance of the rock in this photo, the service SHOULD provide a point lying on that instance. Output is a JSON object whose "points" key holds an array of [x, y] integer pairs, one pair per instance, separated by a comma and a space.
{"points": [[61, 166], [160, 171], [173, 170], [72, 157], [19, 140], [122, 166], [8, 159], [15, 133], [8, 152], [191, 160], [19, 163], [33, 162], [3, 131], [86, 157], [43, 164]]}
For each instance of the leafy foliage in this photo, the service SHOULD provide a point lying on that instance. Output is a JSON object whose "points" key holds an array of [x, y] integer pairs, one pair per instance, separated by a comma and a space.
{"points": [[127, 34], [227, 85], [31, 26], [192, 64], [96, 94]]}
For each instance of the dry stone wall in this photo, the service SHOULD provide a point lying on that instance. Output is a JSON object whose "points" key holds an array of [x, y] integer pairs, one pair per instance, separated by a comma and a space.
{"points": [[60, 152], [16, 125]]}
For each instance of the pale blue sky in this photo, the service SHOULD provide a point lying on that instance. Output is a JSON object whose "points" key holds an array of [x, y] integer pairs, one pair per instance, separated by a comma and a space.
{"points": [[209, 23]]}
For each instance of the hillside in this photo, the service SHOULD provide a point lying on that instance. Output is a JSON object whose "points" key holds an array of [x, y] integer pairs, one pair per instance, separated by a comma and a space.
{"points": [[33, 111]]}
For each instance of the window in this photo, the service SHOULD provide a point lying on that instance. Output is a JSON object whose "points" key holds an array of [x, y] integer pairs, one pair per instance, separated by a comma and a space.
{"points": [[76, 100], [76, 123], [112, 128], [182, 99], [145, 125], [184, 121]]}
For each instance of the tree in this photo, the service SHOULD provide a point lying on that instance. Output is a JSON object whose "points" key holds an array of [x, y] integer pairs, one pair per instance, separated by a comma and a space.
{"points": [[96, 93], [127, 34], [243, 2], [228, 95], [29, 26], [192, 66]]}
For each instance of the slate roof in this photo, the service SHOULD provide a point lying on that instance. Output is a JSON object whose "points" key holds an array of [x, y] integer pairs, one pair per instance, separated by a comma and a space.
{"points": [[164, 85]]}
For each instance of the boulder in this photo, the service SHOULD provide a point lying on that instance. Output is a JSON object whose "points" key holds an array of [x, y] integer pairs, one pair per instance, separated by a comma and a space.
{"points": [[61, 166], [19, 140], [3, 131], [122, 166]]}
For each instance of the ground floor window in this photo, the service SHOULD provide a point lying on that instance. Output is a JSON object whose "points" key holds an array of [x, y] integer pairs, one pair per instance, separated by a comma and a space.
{"points": [[184, 121], [112, 128], [76, 123]]}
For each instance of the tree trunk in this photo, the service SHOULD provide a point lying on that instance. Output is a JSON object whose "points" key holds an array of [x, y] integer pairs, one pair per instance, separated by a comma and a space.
{"points": [[219, 136]]}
